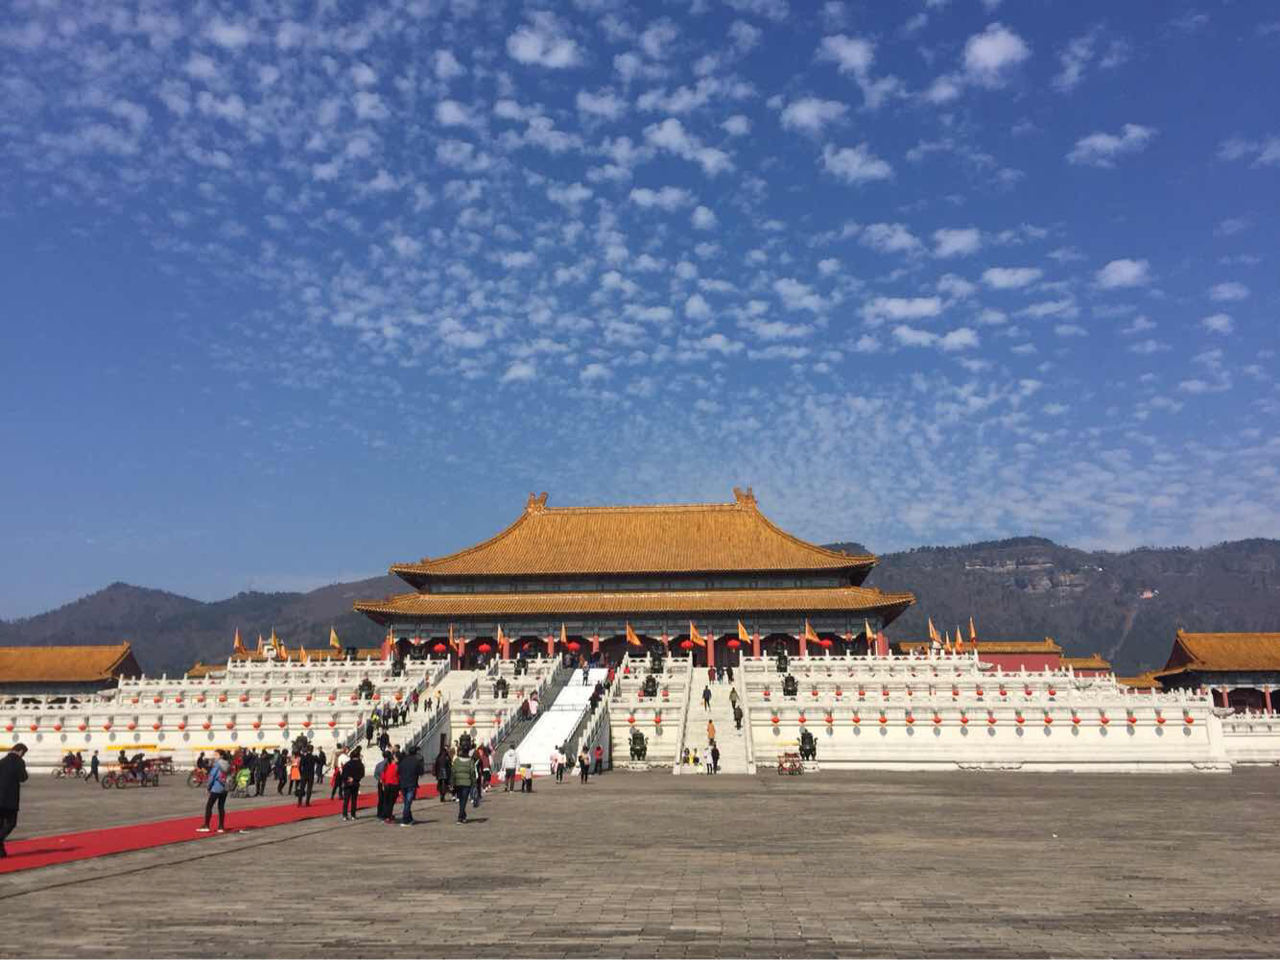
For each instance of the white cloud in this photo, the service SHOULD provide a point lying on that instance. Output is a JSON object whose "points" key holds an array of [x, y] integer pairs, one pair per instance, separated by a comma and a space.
{"points": [[810, 114], [855, 164], [696, 307], [569, 195], [1082, 52], [1264, 153], [1228, 292], [201, 67], [605, 104], [658, 37], [962, 338], [855, 56], [593, 372], [956, 242], [451, 113], [876, 311], [736, 126], [1011, 278], [520, 371], [796, 295], [990, 56], [232, 36], [912, 337], [1218, 323], [405, 246], [446, 65], [703, 218], [670, 135], [664, 198], [1102, 149], [542, 44], [889, 238], [1119, 274]]}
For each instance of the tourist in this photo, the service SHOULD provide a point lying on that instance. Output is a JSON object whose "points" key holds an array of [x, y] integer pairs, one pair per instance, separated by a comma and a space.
{"points": [[282, 771], [306, 775], [13, 774], [352, 774], [586, 675], [509, 768], [462, 772], [264, 771], [93, 767], [737, 717], [706, 760], [219, 770], [599, 767], [715, 757], [485, 761], [706, 698], [584, 765], [321, 762], [557, 764], [410, 772], [526, 777], [295, 773], [339, 762], [728, 673], [711, 730], [719, 673], [711, 674], [368, 731], [441, 769], [533, 706], [389, 786], [733, 697]]}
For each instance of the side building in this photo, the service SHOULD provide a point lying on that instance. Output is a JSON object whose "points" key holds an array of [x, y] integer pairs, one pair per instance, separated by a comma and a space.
{"points": [[577, 578], [64, 671]]}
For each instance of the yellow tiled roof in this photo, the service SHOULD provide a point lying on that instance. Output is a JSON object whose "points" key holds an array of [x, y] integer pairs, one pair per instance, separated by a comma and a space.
{"points": [[1143, 681], [690, 538], [1094, 661], [201, 669], [83, 664], [1223, 652], [992, 646], [499, 605]]}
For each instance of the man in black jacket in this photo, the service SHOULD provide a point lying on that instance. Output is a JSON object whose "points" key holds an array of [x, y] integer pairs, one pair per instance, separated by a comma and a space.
{"points": [[441, 770], [307, 769], [13, 773], [410, 771]]}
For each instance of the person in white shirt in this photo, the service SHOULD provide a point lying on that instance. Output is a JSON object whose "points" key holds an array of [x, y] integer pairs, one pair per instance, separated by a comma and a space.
{"points": [[338, 764], [509, 761]]}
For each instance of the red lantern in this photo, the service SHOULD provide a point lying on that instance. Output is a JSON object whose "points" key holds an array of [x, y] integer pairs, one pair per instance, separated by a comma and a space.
{"points": [[964, 719], [332, 724], [774, 719], [937, 720], [573, 646], [1131, 719], [156, 699], [910, 719], [107, 725], [734, 644], [855, 718], [1053, 692], [306, 724], [282, 724], [1159, 719], [134, 700], [802, 720], [686, 644], [82, 728], [830, 719], [1104, 720], [815, 692], [1020, 719], [244, 698], [439, 648], [657, 721], [1047, 720], [1075, 719], [178, 698], [978, 691], [1189, 719], [471, 721], [222, 698], [333, 697], [883, 718], [182, 724], [57, 727], [631, 719], [308, 698], [485, 648], [991, 719], [132, 725], [35, 727], [206, 725], [155, 726], [258, 723], [766, 693], [231, 724]]}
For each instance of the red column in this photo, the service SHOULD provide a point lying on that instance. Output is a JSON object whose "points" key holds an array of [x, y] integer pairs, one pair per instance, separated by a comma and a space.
{"points": [[551, 645], [711, 648], [595, 646], [504, 649], [804, 646], [755, 644], [1266, 700], [462, 651], [882, 645]]}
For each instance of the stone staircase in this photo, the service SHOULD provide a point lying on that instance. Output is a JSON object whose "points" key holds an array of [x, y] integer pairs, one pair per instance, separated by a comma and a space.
{"points": [[520, 729], [732, 743]]}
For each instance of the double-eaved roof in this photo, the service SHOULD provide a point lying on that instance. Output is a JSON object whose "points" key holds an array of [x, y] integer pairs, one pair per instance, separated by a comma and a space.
{"points": [[1223, 653], [668, 542], [633, 540]]}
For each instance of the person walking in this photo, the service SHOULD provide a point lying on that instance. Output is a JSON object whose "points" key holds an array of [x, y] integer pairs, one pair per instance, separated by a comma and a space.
{"points": [[728, 672], [733, 697], [557, 765], [462, 772], [306, 775], [281, 770], [584, 766], [711, 731], [509, 769], [410, 772], [216, 785], [93, 767], [599, 767], [380, 766], [390, 782], [526, 777], [706, 698], [715, 757], [264, 771], [339, 762], [737, 716], [352, 774], [441, 769], [295, 773], [13, 774]]}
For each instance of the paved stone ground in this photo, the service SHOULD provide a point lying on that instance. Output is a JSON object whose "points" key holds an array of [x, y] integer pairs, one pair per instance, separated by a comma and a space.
{"points": [[651, 865]]}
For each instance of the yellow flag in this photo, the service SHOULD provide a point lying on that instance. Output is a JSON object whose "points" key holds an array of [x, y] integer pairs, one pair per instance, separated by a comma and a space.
{"points": [[564, 635], [302, 654], [695, 636], [236, 645], [809, 635], [742, 633], [632, 638], [866, 629], [933, 631], [973, 634], [959, 641], [333, 639], [261, 642]]}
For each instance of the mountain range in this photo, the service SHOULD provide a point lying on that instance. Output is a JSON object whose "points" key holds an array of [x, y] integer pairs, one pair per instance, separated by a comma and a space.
{"points": [[1123, 605]]}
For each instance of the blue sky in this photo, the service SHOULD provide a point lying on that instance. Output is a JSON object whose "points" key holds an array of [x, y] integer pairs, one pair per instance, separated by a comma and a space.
{"points": [[295, 290]]}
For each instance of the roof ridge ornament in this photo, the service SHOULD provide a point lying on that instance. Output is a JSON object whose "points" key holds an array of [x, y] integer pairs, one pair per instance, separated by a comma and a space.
{"points": [[537, 503], [744, 497]]}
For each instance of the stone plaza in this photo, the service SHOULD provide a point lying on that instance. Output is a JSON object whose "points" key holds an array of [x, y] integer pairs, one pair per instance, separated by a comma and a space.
{"points": [[870, 863]]}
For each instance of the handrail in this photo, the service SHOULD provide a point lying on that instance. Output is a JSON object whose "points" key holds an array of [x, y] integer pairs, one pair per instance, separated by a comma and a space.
{"points": [[740, 684], [684, 713]]}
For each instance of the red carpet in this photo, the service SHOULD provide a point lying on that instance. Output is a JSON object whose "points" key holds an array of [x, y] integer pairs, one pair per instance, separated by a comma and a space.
{"points": [[67, 847]]}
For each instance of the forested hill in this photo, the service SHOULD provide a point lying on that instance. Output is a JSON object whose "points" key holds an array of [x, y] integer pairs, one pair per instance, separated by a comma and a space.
{"points": [[1125, 606]]}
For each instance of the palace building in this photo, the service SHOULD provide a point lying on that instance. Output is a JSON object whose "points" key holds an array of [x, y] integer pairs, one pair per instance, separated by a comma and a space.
{"points": [[578, 578]]}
